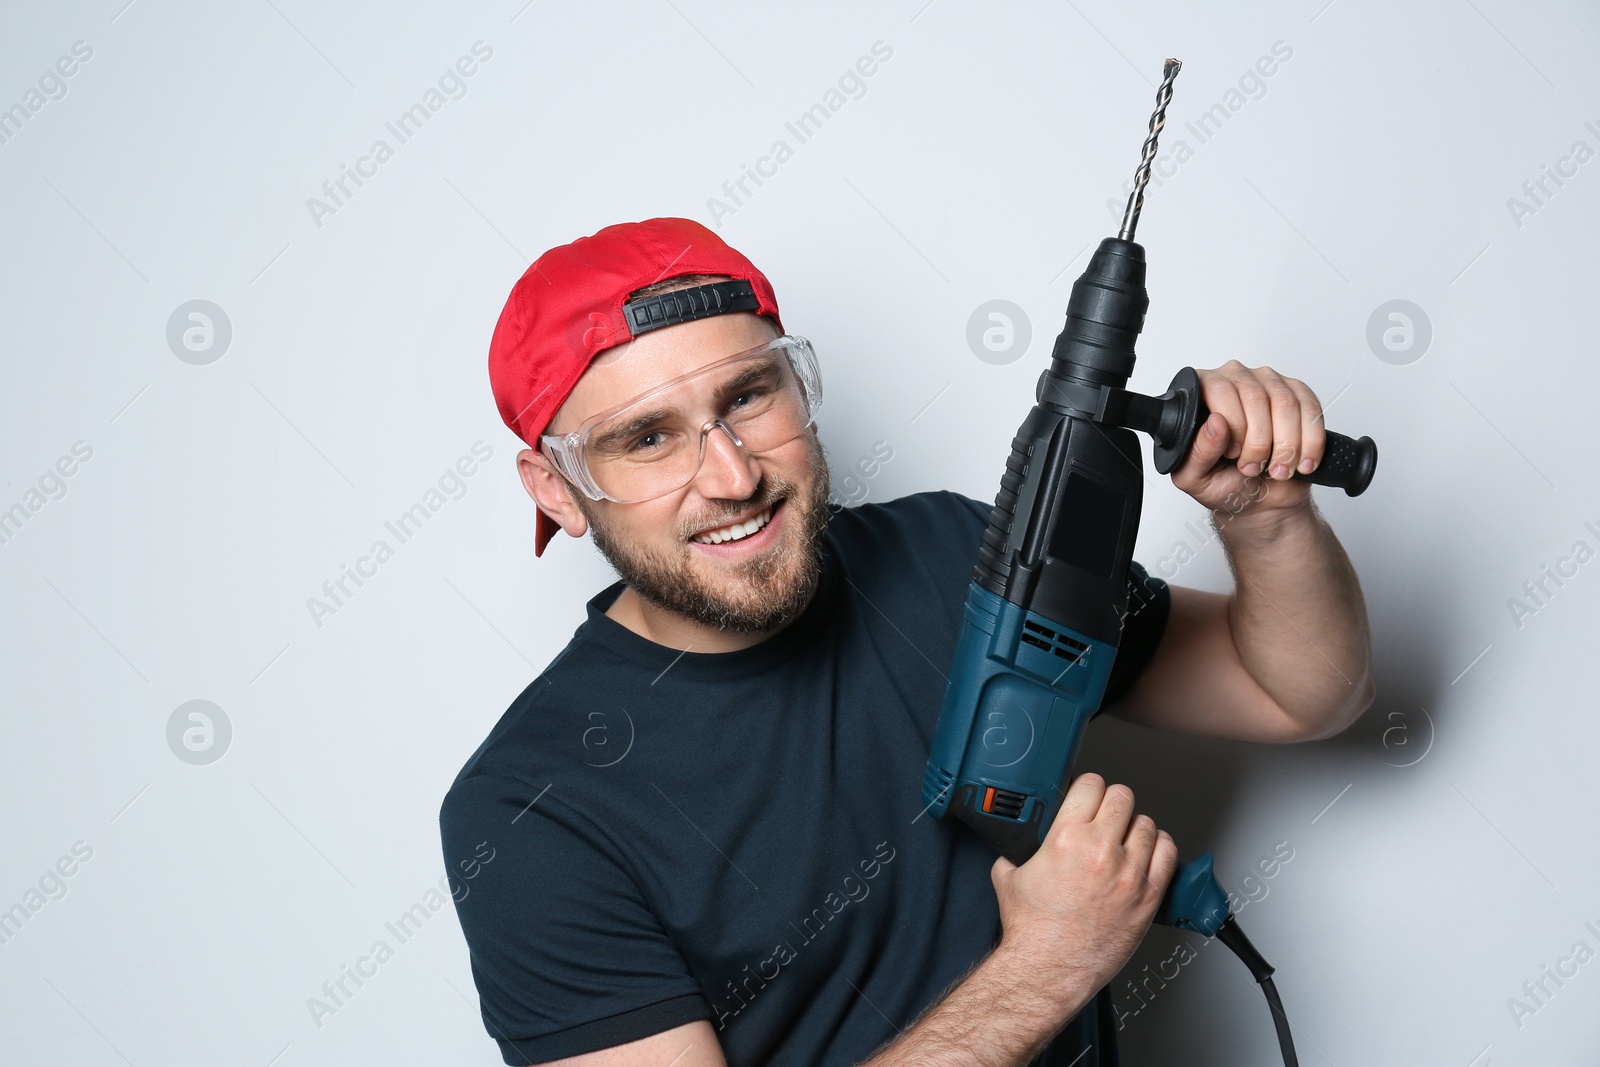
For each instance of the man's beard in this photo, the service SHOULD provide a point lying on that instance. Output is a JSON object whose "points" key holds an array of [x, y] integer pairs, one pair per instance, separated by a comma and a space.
{"points": [[771, 589]]}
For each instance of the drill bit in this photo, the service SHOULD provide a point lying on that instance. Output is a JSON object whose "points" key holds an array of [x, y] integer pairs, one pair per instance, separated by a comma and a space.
{"points": [[1141, 177]]}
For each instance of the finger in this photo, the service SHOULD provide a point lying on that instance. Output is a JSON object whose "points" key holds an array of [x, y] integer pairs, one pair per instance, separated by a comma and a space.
{"points": [[1313, 433], [1222, 397], [1140, 843], [1116, 811], [1257, 408], [1084, 796], [1209, 444], [1286, 423], [1163, 861]]}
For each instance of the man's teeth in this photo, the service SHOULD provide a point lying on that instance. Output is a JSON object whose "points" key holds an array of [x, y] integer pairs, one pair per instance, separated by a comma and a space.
{"points": [[735, 532]]}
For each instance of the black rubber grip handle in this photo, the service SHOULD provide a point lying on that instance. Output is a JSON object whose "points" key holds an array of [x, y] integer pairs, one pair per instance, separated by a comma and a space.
{"points": [[1346, 464]]}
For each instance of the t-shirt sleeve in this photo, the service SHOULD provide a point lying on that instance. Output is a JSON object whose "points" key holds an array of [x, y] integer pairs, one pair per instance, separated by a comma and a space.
{"points": [[567, 955], [1149, 603]]}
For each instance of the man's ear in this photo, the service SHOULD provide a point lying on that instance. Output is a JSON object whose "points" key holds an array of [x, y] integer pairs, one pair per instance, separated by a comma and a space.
{"points": [[550, 491]]}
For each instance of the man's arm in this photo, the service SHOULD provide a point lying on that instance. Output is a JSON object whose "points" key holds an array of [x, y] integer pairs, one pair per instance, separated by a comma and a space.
{"points": [[994, 1016], [1288, 655], [690, 1045], [1285, 657], [1071, 917]]}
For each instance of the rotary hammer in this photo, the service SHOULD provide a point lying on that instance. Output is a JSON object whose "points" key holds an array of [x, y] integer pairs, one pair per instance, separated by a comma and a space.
{"points": [[1044, 613]]}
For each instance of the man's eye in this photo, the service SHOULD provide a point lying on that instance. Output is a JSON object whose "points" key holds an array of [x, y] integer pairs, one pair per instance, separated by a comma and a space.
{"points": [[645, 442]]}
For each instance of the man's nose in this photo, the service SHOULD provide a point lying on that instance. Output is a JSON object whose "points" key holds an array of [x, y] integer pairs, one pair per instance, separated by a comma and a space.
{"points": [[727, 471]]}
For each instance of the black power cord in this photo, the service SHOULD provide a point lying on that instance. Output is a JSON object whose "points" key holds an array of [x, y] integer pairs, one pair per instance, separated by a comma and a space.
{"points": [[1230, 934], [1281, 1021]]}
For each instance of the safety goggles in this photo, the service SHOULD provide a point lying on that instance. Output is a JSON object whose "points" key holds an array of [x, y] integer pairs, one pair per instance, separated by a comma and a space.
{"points": [[649, 446]]}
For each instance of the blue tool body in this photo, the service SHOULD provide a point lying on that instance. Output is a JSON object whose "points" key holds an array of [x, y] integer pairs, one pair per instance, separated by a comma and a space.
{"points": [[1020, 697], [1050, 590]]}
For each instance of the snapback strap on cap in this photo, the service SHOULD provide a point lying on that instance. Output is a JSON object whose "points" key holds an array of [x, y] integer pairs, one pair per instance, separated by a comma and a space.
{"points": [[685, 305]]}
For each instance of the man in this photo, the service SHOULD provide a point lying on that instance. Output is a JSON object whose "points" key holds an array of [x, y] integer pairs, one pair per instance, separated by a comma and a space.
{"points": [[706, 838]]}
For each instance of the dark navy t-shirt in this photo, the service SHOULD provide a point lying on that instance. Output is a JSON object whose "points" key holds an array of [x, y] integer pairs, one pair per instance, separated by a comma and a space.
{"points": [[740, 837]]}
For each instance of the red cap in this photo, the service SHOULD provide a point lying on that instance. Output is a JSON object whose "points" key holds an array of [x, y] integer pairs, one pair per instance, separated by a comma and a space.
{"points": [[567, 308]]}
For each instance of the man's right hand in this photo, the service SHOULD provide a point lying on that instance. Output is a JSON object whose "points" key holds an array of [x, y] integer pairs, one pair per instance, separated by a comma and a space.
{"points": [[1073, 914]]}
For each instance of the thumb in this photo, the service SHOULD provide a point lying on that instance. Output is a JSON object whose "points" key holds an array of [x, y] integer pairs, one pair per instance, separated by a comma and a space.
{"points": [[1209, 442], [1002, 867]]}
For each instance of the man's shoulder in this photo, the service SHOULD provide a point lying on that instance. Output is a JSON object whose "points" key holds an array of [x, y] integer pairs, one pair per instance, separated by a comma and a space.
{"points": [[925, 515], [902, 551], [527, 742], [519, 725]]}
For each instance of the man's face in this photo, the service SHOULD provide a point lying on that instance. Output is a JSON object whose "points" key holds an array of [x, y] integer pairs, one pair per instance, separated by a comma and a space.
{"points": [[660, 547]]}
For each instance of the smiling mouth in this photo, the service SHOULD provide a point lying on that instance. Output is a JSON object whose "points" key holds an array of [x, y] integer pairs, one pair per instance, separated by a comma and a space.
{"points": [[737, 531]]}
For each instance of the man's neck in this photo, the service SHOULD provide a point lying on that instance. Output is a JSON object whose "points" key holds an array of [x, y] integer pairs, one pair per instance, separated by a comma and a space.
{"points": [[674, 631]]}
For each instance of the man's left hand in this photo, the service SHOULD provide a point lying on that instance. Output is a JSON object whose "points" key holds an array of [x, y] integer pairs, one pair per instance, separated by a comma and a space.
{"points": [[1271, 426]]}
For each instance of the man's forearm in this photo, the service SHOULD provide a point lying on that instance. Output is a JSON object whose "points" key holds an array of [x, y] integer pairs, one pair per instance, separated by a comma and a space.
{"points": [[1298, 617], [993, 1017]]}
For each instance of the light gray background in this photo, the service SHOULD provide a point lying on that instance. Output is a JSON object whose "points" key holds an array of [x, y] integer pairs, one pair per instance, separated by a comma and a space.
{"points": [[1444, 849]]}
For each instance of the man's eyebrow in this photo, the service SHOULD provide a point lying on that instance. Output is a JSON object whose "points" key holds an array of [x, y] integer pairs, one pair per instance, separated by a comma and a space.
{"points": [[645, 420], [748, 376], [634, 425]]}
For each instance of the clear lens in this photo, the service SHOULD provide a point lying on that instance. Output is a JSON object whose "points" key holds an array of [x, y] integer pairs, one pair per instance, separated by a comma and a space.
{"points": [[655, 444]]}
